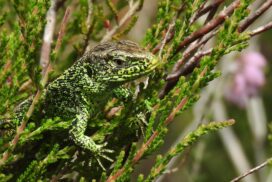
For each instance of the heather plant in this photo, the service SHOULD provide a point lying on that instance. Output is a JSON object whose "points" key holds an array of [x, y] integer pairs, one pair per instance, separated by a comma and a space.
{"points": [[40, 39]]}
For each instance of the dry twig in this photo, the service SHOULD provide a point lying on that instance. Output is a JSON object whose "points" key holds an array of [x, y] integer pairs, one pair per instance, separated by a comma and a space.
{"points": [[132, 10], [170, 36], [89, 25], [261, 29], [48, 35], [223, 15], [249, 20], [208, 8], [268, 161]]}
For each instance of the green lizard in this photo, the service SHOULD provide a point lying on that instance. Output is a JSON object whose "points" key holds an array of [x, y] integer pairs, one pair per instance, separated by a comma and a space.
{"points": [[84, 88]]}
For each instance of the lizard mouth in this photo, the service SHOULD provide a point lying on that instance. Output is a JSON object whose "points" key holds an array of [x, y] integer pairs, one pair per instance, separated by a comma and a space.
{"points": [[135, 72]]}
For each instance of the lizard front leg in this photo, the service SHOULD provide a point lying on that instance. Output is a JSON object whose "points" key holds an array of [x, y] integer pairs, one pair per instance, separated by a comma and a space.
{"points": [[125, 94], [77, 131], [122, 93]]}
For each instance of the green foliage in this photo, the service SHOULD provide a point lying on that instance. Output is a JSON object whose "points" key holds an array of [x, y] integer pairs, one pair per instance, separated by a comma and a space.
{"points": [[36, 169], [31, 20], [21, 50], [44, 150], [35, 133], [187, 141]]}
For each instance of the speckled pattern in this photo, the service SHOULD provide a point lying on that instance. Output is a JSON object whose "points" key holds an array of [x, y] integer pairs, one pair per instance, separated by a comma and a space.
{"points": [[84, 88]]}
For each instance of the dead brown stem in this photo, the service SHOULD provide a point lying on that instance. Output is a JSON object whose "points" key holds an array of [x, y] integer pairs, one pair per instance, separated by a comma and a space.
{"points": [[223, 15], [251, 19]]}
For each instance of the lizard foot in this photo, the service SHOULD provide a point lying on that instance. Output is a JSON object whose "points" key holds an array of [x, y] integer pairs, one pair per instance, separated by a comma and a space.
{"points": [[140, 121], [100, 153]]}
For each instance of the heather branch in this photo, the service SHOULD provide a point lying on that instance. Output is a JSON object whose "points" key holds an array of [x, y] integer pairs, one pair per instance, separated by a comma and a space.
{"points": [[166, 37], [62, 28], [195, 15], [189, 66], [5, 70], [145, 146], [48, 35], [188, 140], [132, 10], [199, 44], [171, 33], [261, 29], [268, 161], [212, 8], [208, 8], [173, 78], [58, 44], [46, 70], [223, 15], [181, 69], [249, 20], [21, 128], [90, 13], [188, 52], [89, 25], [48, 38], [114, 10]]}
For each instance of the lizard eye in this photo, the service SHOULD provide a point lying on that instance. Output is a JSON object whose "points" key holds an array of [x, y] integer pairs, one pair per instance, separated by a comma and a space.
{"points": [[118, 62]]}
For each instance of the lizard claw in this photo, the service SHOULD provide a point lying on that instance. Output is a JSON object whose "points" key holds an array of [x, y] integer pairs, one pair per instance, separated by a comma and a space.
{"points": [[102, 150]]}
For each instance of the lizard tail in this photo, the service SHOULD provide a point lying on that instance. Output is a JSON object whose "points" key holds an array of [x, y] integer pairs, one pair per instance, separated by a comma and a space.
{"points": [[7, 129]]}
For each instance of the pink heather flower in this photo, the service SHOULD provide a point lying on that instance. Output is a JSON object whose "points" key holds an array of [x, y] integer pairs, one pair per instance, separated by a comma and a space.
{"points": [[248, 78], [254, 76], [254, 59]]}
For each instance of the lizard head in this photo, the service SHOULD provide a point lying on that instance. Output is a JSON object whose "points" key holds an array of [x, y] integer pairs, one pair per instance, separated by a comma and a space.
{"points": [[120, 61]]}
